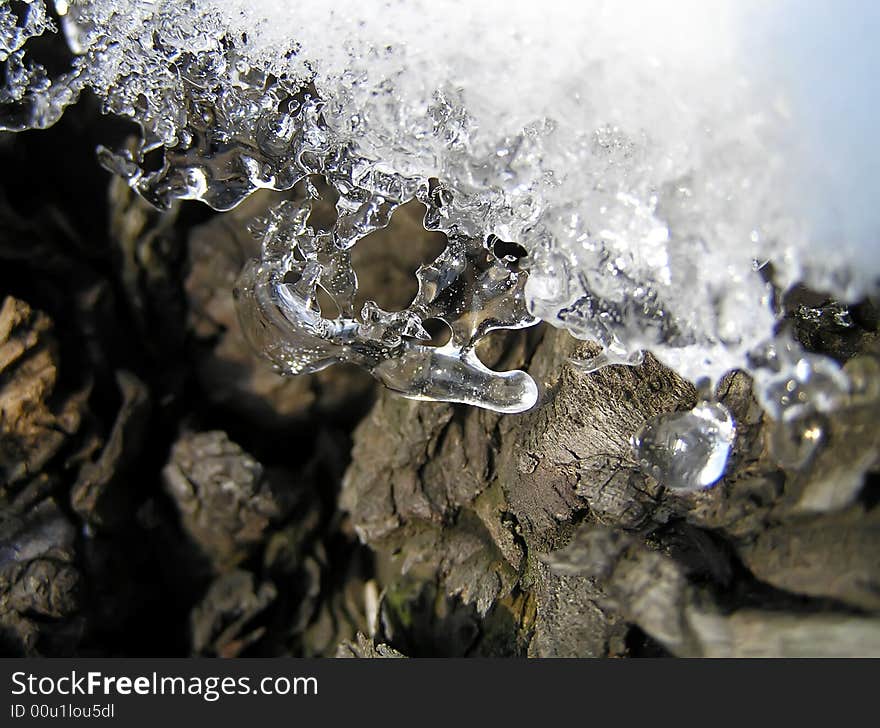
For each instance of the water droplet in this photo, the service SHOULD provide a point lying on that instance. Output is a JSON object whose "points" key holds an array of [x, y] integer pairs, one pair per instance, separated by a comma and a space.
{"points": [[794, 443], [687, 450]]}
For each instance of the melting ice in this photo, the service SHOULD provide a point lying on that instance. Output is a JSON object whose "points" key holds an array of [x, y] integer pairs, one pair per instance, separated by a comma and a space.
{"points": [[649, 157]]}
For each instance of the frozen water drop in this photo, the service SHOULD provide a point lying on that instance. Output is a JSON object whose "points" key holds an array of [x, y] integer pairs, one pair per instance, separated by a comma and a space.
{"points": [[792, 383], [793, 444], [687, 450]]}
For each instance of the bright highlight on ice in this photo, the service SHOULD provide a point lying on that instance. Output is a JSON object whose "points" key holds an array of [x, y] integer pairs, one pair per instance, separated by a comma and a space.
{"points": [[664, 165]]}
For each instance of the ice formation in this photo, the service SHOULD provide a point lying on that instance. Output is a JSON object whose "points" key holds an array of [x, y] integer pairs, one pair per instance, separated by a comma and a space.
{"points": [[468, 287], [651, 158]]}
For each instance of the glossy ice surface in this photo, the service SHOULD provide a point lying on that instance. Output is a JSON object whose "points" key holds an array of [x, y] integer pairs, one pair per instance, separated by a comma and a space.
{"points": [[687, 450], [650, 158]]}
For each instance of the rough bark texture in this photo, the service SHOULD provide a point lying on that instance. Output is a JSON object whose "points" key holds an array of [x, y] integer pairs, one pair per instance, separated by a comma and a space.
{"points": [[487, 504]]}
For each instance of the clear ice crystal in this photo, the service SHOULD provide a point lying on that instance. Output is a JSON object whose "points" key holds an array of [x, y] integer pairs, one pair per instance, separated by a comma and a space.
{"points": [[791, 384], [644, 161], [687, 450], [467, 287], [793, 444], [15, 31]]}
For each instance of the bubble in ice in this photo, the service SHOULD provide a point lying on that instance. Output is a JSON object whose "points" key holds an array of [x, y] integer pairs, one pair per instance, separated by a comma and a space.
{"points": [[687, 450]]}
